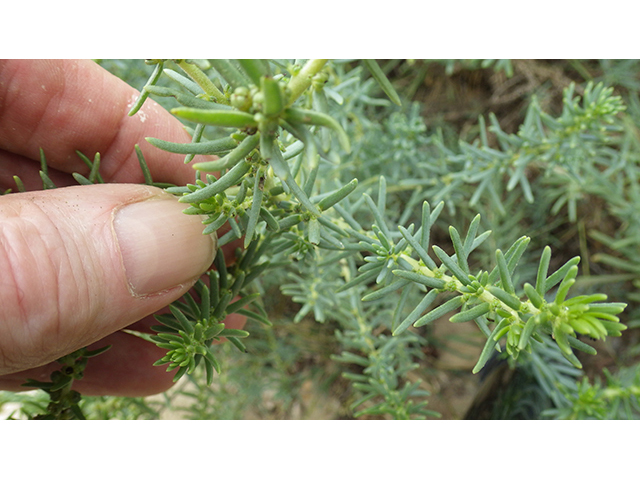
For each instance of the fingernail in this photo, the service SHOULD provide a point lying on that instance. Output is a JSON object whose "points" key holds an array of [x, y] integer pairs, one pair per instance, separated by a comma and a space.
{"points": [[161, 247]]}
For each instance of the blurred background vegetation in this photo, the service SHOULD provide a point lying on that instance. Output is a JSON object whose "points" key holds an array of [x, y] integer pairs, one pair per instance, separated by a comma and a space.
{"points": [[296, 368]]}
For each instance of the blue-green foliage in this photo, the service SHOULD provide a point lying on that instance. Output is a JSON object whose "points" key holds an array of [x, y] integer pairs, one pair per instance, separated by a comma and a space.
{"points": [[377, 226]]}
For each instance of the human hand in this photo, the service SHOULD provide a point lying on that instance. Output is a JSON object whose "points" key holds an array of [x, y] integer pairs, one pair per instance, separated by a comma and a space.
{"points": [[78, 264]]}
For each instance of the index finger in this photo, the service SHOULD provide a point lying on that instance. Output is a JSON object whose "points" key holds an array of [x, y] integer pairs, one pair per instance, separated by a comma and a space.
{"points": [[68, 105]]}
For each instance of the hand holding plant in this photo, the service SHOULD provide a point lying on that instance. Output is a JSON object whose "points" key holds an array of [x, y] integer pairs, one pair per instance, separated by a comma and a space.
{"points": [[79, 264], [365, 254]]}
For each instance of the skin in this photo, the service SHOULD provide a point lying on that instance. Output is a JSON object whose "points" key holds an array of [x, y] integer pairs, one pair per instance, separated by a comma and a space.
{"points": [[68, 105]]}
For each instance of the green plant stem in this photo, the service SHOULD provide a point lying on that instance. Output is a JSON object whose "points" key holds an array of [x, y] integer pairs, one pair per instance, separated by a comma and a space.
{"points": [[375, 356], [205, 83], [302, 80], [485, 296]]}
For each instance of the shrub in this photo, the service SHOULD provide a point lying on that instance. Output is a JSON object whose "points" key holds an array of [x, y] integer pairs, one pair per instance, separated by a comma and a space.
{"points": [[368, 218]]}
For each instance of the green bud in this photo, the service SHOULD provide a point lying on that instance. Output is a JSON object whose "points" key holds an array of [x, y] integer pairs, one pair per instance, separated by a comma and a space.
{"points": [[258, 99], [241, 99], [319, 80]]}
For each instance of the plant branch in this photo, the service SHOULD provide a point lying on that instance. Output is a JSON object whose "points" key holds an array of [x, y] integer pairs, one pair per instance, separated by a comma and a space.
{"points": [[302, 80]]}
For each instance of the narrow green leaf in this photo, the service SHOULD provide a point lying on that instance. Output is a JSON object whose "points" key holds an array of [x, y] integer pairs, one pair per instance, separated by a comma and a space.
{"points": [[242, 302], [585, 299], [422, 253], [328, 223], [187, 326], [81, 179], [235, 228], [186, 99], [566, 284], [471, 234], [543, 268], [384, 291], [43, 162], [613, 329], [215, 225], [314, 231], [96, 352], [95, 169], [487, 350], [273, 103], [37, 384], [209, 370], [61, 383], [213, 360], [528, 329], [471, 314], [232, 177], [213, 147], [382, 194], [561, 273], [219, 118], [415, 277], [239, 152], [148, 180], [205, 302], [461, 254], [562, 339], [202, 81], [425, 229], [298, 115], [19, 184], [195, 138], [610, 308], [383, 81], [312, 175], [512, 256], [186, 83], [452, 266], [438, 312], [238, 344], [307, 140], [157, 71], [272, 223], [533, 295], [272, 154], [229, 72], [47, 183], [254, 213], [255, 69], [378, 215], [230, 332], [364, 278], [180, 373], [337, 195], [213, 331], [169, 321], [505, 276], [426, 301], [507, 298]]}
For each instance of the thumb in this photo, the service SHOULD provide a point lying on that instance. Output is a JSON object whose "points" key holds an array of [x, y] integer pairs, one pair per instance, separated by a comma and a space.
{"points": [[79, 263]]}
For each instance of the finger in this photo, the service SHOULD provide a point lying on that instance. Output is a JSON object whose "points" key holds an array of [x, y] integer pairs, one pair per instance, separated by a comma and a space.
{"points": [[126, 369], [29, 173], [68, 105], [82, 262]]}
